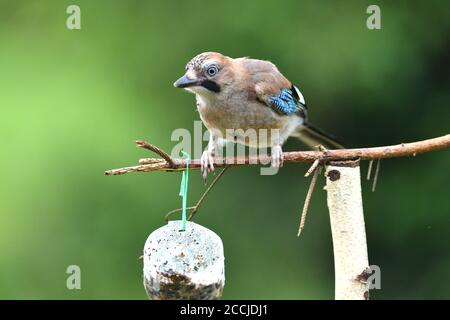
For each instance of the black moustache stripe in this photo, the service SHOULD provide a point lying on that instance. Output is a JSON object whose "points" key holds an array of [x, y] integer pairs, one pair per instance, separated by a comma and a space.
{"points": [[210, 85]]}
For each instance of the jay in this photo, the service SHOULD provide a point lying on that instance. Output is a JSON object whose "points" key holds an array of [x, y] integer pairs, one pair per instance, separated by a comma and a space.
{"points": [[235, 95]]}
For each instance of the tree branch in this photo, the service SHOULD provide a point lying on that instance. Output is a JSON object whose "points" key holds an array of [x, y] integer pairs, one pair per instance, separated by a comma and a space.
{"points": [[145, 145], [172, 164], [343, 197]]}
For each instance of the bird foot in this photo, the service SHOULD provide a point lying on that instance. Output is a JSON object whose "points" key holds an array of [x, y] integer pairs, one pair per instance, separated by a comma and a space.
{"points": [[206, 163], [277, 156]]}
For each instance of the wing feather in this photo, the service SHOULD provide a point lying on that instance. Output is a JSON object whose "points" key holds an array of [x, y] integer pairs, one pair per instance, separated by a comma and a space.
{"points": [[273, 89]]}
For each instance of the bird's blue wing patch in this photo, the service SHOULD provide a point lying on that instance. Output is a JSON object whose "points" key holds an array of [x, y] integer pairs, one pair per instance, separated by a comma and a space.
{"points": [[285, 102]]}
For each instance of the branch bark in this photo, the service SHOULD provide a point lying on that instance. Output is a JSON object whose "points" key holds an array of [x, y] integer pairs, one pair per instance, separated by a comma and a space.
{"points": [[400, 150]]}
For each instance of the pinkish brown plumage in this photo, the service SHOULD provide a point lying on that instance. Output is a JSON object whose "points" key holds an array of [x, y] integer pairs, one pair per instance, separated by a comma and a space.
{"points": [[243, 94]]}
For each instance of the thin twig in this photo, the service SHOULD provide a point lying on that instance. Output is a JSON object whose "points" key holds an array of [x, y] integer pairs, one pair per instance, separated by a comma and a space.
{"points": [[155, 149], [375, 177], [308, 199], [206, 193], [150, 160], [200, 201], [369, 170], [400, 150], [168, 214], [312, 168]]}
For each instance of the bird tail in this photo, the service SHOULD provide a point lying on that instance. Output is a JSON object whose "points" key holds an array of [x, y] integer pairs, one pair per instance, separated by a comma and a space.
{"points": [[313, 136]]}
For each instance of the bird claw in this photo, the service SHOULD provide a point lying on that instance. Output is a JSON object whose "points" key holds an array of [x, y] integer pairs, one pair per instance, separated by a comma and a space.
{"points": [[277, 157], [206, 164]]}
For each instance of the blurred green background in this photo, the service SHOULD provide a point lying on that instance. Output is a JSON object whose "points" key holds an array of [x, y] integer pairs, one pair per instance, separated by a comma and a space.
{"points": [[73, 101]]}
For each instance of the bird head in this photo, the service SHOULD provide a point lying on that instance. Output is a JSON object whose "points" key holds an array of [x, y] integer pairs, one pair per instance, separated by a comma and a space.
{"points": [[206, 74]]}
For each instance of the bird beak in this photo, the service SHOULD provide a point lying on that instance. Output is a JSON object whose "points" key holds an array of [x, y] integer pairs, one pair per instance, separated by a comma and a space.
{"points": [[185, 82]]}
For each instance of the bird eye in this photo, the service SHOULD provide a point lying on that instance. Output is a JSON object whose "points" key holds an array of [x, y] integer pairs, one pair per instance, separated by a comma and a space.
{"points": [[212, 71]]}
